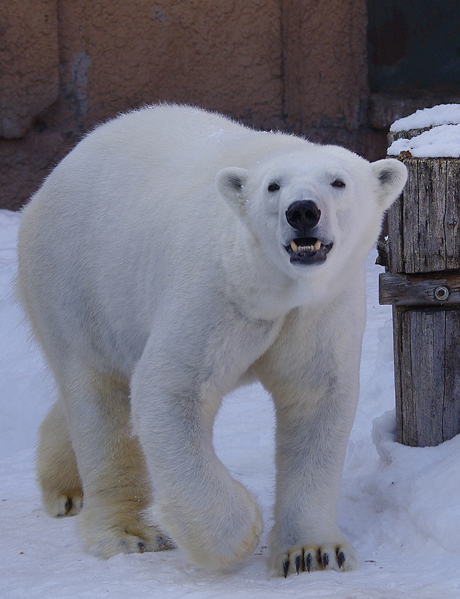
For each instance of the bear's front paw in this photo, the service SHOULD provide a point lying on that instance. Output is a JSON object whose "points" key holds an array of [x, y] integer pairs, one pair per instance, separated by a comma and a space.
{"points": [[218, 536], [311, 557]]}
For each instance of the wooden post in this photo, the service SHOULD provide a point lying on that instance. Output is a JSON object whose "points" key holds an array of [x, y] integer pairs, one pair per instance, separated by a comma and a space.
{"points": [[422, 283]]}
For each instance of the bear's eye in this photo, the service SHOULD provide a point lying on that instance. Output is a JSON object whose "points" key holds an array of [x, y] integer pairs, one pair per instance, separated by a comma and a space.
{"points": [[273, 187], [338, 183]]}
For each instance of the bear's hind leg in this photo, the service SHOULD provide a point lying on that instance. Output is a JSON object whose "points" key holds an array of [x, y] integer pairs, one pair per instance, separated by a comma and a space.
{"points": [[57, 471], [116, 485]]}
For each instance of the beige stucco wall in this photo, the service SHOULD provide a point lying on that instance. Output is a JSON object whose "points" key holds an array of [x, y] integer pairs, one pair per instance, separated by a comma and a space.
{"points": [[118, 54], [326, 69], [29, 63], [299, 65]]}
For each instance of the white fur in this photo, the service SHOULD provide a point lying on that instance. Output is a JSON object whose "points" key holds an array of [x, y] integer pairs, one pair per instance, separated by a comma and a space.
{"points": [[153, 268]]}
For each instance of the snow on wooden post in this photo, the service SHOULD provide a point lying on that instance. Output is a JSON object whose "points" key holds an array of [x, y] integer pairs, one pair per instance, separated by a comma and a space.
{"points": [[422, 281]]}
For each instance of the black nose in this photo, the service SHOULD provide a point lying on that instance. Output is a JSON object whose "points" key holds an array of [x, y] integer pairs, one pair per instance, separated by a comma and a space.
{"points": [[303, 214]]}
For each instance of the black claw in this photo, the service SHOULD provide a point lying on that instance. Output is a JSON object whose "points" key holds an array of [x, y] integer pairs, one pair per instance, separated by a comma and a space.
{"points": [[308, 562], [141, 546], [162, 543], [286, 567], [340, 558], [68, 505], [297, 564], [325, 560]]}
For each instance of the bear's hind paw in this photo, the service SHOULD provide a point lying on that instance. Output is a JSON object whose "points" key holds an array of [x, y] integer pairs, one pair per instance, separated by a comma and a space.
{"points": [[106, 539], [59, 505]]}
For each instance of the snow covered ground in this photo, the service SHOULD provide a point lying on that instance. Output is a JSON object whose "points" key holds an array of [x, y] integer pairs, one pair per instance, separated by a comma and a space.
{"points": [[400, 506]]}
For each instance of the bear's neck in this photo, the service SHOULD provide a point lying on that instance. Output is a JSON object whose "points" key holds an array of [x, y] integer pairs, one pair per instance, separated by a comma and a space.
{"points": [[257, 286]]}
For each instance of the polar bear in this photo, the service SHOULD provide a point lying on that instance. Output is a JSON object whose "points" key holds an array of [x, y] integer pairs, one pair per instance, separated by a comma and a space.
{"points": [[172, 256]]}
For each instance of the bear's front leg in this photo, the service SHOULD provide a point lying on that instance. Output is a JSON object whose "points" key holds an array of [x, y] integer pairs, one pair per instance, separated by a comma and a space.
{"points": [[208, 514], [309, 461], [312, 372]]}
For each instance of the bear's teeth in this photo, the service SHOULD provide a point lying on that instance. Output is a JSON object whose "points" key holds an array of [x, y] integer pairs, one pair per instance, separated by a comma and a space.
{"points": [[305, 248]]}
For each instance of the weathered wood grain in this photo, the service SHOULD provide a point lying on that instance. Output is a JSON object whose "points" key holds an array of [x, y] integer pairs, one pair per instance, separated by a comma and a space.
{"points": [[424, 256], [395, 242], [420, 289], [430, 250], [427, 379], [451, 402], [452, 214], [423, 225]]}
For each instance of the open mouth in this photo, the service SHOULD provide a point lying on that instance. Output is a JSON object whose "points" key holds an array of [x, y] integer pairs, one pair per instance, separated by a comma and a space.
{"points": [[308, 250]]}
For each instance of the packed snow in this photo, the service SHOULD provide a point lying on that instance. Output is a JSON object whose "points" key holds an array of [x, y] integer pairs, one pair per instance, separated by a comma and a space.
{"points": [[443, 114], [438, 142], [400, 506], [442, 138]]}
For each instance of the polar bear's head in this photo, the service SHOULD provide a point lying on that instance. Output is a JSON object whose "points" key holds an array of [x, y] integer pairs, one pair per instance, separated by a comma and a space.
{"points": [[313, 208]]}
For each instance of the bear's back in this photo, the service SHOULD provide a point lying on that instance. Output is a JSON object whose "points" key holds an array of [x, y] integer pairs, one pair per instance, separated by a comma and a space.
{"points": [[186, 137]]}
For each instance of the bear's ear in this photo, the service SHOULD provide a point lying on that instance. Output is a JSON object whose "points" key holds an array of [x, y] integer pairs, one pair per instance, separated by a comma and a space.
{"points": [[230, 183], [390, 178]]}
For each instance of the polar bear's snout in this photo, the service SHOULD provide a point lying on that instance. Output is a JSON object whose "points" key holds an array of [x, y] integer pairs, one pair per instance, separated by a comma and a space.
{"points": [[305, 247], [303, 215]]}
